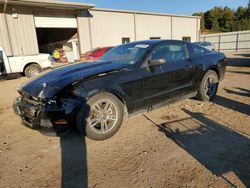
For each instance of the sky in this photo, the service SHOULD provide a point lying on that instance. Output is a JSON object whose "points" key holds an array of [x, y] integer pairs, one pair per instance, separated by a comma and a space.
{"points": [[183, 7]]}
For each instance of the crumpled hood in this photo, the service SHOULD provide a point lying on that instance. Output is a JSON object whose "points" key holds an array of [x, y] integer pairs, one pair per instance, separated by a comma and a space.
{"points": [[55, 80]]}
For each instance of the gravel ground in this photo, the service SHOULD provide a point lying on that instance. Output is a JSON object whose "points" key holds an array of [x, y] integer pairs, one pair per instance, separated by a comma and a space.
{"points": [[187, 144]]}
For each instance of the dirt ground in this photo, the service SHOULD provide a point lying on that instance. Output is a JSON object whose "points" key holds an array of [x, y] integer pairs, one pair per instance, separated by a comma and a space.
{"points": [[187, 144]]}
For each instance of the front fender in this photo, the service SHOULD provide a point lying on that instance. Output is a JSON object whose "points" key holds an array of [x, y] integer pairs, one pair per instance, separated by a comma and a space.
{"points": [[87, 92], [89, 89]]}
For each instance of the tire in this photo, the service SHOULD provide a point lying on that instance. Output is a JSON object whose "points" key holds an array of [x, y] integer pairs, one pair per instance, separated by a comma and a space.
{"points": [[32, 70], [99, 125], [208, 87]]}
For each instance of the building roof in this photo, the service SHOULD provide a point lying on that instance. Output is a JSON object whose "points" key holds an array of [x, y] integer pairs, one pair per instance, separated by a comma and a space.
{"points": [[50, 4], [80, 6], [142, 12]]}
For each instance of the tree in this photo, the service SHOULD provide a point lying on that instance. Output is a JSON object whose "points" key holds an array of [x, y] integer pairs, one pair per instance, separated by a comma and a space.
{"points": [[212, 18], [220, 19], [240, 13], [227, 20], [242, 19]]}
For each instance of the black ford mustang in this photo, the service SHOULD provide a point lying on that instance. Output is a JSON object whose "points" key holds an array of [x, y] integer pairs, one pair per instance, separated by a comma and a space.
{"points": [[129, 79]]}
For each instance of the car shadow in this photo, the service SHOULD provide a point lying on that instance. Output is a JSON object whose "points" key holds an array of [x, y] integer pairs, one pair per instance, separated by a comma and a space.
{"points": [[231, 104], [242, 92], [238, 72], [220, 149], [244, 55], [237, 61], [73, 161], [74, 155], [243, 89]]}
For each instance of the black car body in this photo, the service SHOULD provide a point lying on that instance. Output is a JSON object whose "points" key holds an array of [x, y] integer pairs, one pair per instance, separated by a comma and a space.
{"points": [[163, 72]]}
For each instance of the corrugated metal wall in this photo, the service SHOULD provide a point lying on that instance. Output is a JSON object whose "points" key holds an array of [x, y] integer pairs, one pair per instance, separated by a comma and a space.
{"points": [[84, 33], [22, 31], [232, 41], [4, 39], [95, 29], [152, 26], [107, 27], [185, 27]]}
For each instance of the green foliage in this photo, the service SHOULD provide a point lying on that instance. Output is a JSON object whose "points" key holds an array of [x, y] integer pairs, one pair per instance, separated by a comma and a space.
{"points": [[225, 19]]}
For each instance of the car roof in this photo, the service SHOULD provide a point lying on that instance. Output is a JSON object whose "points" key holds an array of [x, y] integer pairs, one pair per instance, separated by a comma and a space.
{"points": [[201, 42], [155, 41]]}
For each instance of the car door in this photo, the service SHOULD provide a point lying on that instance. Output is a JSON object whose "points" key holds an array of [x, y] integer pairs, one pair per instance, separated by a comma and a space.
{"points": [[133, 87], [171, 79]]}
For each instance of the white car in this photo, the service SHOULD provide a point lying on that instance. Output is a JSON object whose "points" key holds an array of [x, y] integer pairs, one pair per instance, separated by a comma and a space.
{"points": [[30, 65], [207, 45]]}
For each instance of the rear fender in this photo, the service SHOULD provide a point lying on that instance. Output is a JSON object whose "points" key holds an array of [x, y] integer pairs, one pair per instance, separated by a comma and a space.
{"points": [[218, 66]]}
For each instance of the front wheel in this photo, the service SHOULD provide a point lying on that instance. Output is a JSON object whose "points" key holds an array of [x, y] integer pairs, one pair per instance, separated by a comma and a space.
{"points": [[208, 87], [103, 118]]}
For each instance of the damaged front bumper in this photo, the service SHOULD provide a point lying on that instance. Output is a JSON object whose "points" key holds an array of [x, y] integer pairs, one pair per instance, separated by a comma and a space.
{"points": [[40, 116]]}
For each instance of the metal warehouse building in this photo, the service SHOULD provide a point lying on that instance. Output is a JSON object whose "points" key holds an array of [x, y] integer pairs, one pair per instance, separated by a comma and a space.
{"points": [[29, 27]]}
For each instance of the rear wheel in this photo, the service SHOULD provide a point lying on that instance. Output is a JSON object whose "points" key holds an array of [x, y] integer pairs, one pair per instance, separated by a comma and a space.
{"points": [[104, 118], [32, 70], [208, 87]]}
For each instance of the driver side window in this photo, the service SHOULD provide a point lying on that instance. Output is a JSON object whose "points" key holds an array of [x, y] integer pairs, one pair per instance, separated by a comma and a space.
{"points": [[170, 52]]}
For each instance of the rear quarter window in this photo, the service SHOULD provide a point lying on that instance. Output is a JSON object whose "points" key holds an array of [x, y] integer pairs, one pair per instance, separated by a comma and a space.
{"points": [[196, 51]]}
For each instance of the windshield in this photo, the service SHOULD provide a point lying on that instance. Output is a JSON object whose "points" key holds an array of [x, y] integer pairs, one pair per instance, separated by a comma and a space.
{"points": [[127, 54]]}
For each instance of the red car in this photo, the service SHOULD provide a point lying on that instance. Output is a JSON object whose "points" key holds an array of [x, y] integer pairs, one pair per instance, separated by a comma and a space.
{"points": [[95, 54]]}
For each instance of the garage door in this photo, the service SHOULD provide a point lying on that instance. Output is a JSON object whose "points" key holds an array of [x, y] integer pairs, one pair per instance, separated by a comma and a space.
{"points": [[55, 22]]}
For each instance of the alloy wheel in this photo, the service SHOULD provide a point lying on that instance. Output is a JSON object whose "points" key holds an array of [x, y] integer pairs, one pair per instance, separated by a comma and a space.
{"points": [[103, 116], [210, 87]]}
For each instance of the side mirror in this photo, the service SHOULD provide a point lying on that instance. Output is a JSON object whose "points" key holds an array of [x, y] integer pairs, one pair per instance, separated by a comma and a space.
{"points": [[156, 62]]}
